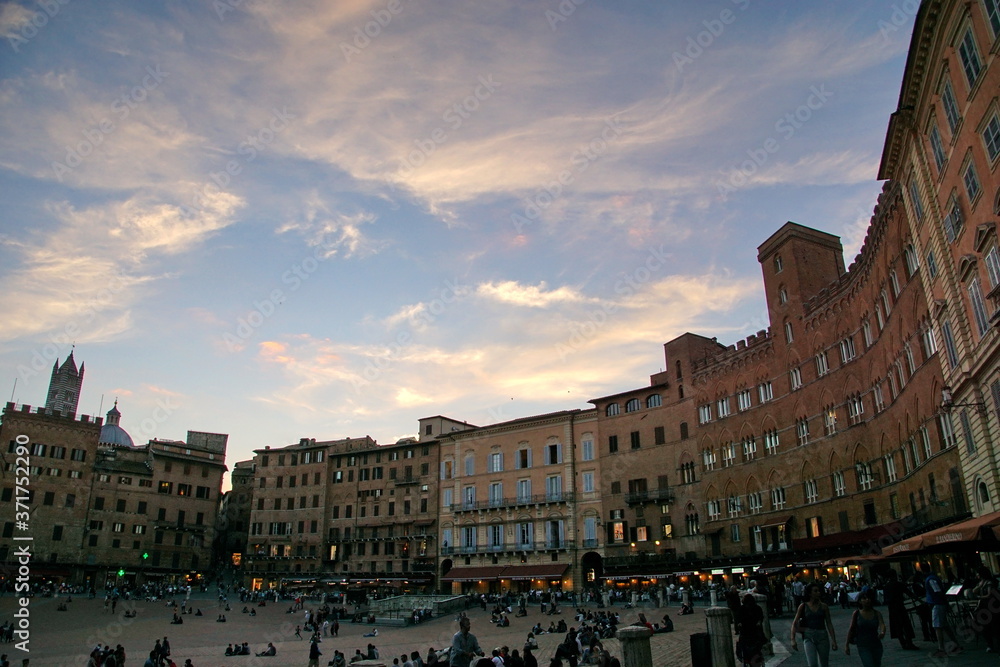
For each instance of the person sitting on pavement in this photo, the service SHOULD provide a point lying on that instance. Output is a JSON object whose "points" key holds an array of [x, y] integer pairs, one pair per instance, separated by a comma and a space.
{"points": [[269, 651]]}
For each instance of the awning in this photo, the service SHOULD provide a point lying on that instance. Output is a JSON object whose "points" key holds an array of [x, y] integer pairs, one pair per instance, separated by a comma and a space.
{"points": [[980, 531], [474, 573], [525, 572], [776, 522]]}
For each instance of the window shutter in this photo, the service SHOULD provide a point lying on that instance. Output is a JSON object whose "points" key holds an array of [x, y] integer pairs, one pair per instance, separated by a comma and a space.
{"points": [[633, 534], [529, 457], [611, 531], [559, 456], [517, 460], [501, 462]]}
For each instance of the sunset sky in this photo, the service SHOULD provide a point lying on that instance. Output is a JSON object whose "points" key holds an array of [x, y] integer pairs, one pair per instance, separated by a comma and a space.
{"points": [[281, 220]]}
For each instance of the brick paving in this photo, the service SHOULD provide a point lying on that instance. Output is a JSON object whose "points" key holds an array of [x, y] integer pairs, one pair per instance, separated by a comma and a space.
{"points": [[66, 638]]}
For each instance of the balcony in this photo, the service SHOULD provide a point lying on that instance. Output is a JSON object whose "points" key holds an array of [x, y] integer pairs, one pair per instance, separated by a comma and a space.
{"points": [[654, 496], [587, 544], [548, 545], [407, 481], [517, 501]]}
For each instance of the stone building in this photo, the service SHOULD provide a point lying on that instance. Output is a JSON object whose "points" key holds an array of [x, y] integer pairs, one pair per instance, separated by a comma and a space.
{"points": [[520, 504], [941, 156], [344, 511]]}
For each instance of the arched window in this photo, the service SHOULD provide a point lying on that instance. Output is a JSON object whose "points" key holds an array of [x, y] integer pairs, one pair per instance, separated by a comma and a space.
{"points": [[612, 410], [632, 405], [653, 401]]}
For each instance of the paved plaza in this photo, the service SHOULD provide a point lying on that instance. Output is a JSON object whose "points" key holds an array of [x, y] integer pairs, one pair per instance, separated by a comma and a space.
{"points": [[66, 638]]}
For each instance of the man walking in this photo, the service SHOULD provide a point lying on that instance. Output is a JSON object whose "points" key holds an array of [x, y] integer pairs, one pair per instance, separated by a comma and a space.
{"points": [[464, 645]]}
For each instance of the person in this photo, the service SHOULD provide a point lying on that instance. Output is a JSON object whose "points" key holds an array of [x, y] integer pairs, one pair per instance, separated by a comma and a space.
{"points": [[229, 650], [464, 645], [733, 602], [750, 646], [985, 623], [298, 632], [188, 663], [269, 651], [373, 633], [867, 630], [531, 642], [812, 619], [151, 660], [934, 596], [314, 654], [529, 657], [900, 626]]}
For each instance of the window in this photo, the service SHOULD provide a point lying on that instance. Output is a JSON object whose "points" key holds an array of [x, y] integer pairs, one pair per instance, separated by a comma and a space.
{"points": [[932, 269], [925, 440], [612, 410], [587, 450], [553, 487], [735, 506], [971, 180], [654, 401], [855, 409], [969, 53], [918, 205], [847, 349], [782, 295], [970, 444], [949, 344], [839, 484], [771, 442], [523, 459], [553, 454], [749, 448], [778, 498], [704, 413], [447, 497], [722, 406], [708, 459], [947, 431], [802, 430], [714, 510], [634, 439], [789, 337], [612, 443], [978, 307], [764, 391], [728, 455], [734, 532], [830, 421], [660, 435], [57, 533], [778, 264], [937, 149], [525, 535], [755, 502], [889, 462], [865, 477], [927, 342], [993, 266], [496, 494], [495, 462], [588, 482], [991, 138], [822, 364], [812, 491], [950, 106], [954, 221], [911, 363], [993, 14], [744, 400], [470, 465], [632, 405], [795, 376]]}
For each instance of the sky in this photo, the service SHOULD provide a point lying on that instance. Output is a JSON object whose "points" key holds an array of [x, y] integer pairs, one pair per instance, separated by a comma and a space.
{"points": [[328, 219]]}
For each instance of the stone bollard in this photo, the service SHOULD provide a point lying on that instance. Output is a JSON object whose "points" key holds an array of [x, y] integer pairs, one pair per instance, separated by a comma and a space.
{"points": [[686, 597], [762, 603], [636, 651], [714, 597], [720, 621]]}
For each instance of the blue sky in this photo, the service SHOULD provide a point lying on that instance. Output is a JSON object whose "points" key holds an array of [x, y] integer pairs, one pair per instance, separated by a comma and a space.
{"points": [[328, 219]]}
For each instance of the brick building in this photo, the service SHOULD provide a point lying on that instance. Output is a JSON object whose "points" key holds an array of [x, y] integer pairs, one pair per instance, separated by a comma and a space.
{"points": [[942, 151], [344, 511]]}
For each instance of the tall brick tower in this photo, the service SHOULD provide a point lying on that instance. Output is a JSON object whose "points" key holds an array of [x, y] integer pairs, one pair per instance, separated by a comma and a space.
{"points": [[64, 387]]}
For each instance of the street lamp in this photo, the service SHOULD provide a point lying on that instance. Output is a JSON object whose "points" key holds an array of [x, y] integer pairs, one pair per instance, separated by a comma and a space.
{"points": [[948, 401]]}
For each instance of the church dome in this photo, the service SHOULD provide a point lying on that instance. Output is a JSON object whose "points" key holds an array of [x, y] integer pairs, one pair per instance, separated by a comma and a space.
{"points": [[112, 433]]}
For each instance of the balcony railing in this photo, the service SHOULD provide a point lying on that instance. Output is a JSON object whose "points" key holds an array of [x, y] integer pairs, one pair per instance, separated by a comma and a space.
{"points": [[407, 481], [589, 543], [498, 503], [665, 495], [547, 545]]}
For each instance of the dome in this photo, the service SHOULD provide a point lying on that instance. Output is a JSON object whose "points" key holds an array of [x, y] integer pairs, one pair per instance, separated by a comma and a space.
{"points": [[113, 434]]}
